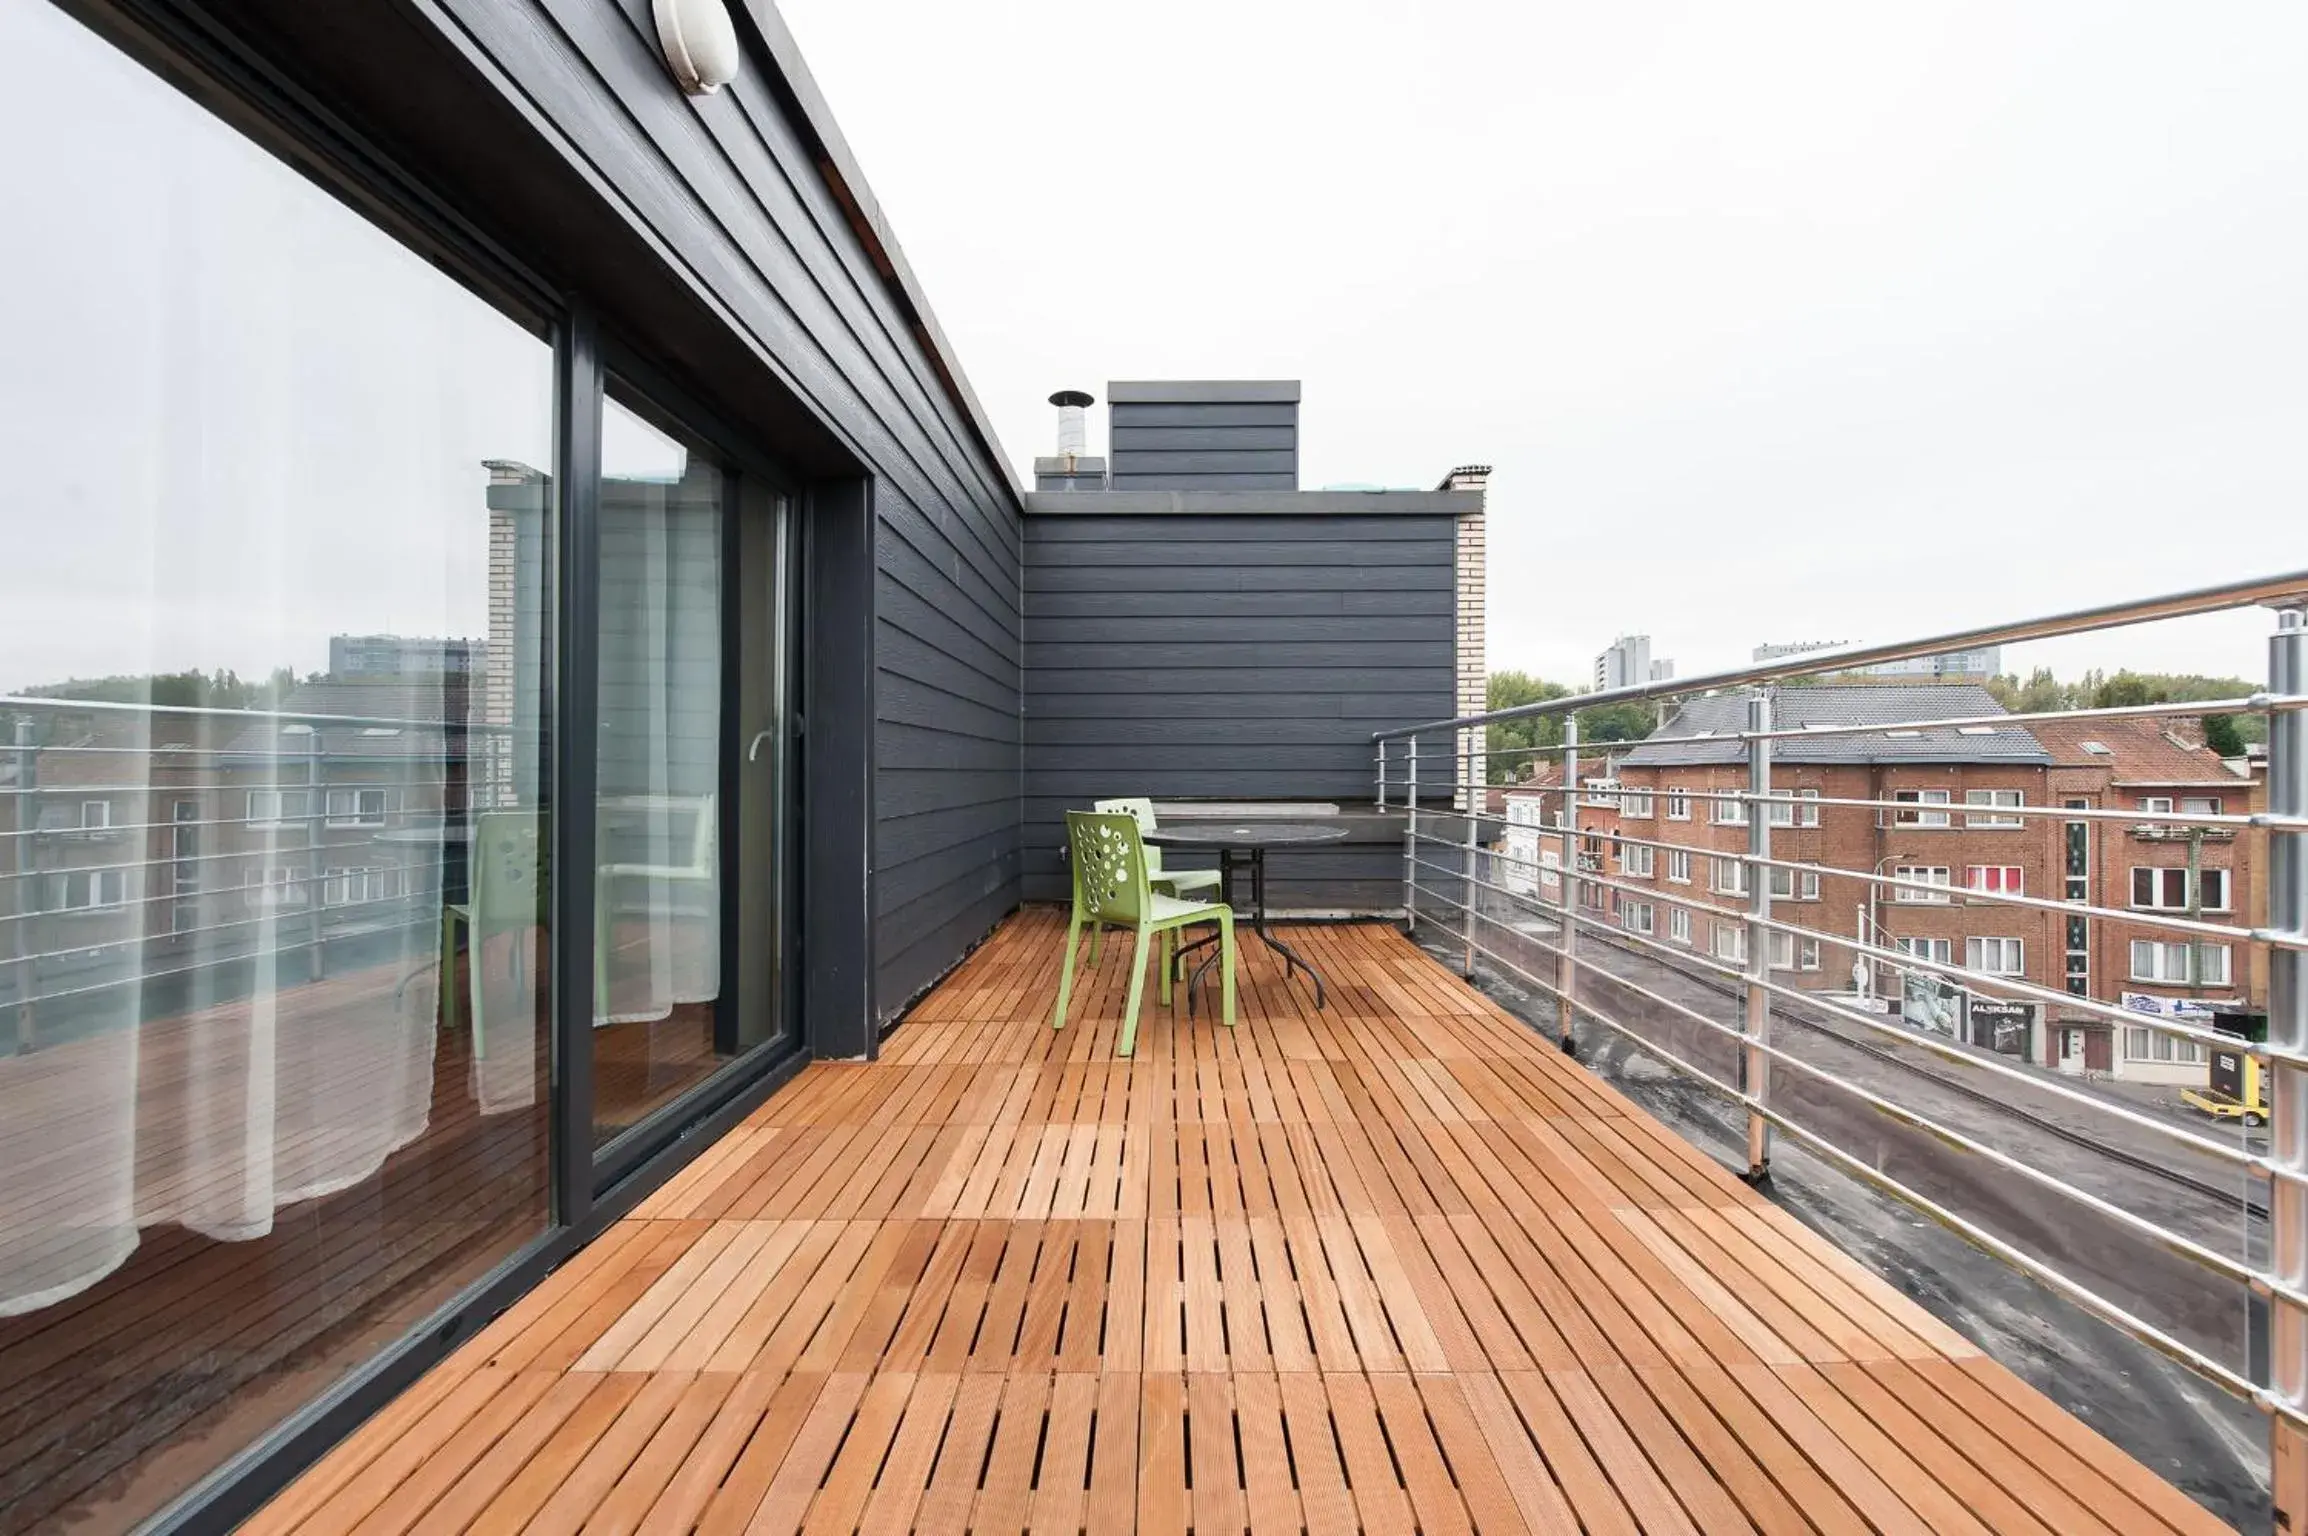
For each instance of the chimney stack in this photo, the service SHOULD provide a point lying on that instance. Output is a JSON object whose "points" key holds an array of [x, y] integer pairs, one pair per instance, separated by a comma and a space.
{"points": [[1072, 469]]}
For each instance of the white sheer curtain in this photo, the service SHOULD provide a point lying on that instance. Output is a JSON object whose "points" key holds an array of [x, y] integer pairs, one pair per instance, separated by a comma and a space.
{"points": [[240, 1023], [659, 884]]}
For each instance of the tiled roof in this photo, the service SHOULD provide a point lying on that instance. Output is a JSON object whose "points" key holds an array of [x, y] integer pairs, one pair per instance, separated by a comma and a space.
{"points": [[1723, 716], [2138, 752]]}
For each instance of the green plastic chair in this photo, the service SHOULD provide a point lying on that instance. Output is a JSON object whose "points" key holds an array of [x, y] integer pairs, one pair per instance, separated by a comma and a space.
{"points": [[1112, 888], [1178, 882], [506, 879]]}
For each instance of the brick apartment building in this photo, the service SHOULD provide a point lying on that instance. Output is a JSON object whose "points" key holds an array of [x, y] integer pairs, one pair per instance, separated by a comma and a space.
{"points": [[1959, 829]]}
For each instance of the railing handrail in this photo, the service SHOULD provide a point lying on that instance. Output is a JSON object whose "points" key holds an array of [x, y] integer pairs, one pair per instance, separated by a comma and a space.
{"points": [[2269, 590]]}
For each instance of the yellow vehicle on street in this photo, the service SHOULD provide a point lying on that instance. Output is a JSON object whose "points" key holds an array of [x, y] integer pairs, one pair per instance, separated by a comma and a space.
{"points": [[2234, 1091]]}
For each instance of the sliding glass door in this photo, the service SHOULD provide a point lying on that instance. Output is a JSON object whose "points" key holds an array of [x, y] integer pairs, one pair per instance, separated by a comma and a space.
{"points": [[690, 710]]}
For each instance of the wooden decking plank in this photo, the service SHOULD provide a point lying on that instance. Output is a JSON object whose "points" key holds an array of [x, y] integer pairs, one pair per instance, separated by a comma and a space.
{"points": [[1395, 1267]]}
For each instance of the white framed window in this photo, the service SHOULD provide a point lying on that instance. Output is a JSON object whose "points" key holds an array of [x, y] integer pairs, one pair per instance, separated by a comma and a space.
{"points": [[1794, 807], [2156, 960], [2200, 805], [1996, 879], [95, 815], [1942, 950], [353, 885], [87, 890], [1731, 942], [1729, 877], [1679, 865], [1730, 811], [1635, 804], [1679, 925], [1635, 916], [1795, 884], [1794, 952], [275, 807], [356, 807], [1994, 804], [1922, 874], [2156, 805], [2142, 1044], [275, 885], [2166, 890], [1637, 858], [1678, 804], [1915, 807], [1998, 957]]}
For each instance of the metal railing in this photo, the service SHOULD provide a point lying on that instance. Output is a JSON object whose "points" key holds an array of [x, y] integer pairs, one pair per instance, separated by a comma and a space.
{"points": [[1661, 926], [171, 867]]}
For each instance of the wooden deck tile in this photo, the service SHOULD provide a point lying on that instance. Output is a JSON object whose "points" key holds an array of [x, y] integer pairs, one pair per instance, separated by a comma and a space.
{"points": [[1393, 1267]]}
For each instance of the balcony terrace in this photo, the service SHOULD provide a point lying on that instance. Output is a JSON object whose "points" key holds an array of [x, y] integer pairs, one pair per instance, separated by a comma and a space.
{"points": [[1398, 1264]]}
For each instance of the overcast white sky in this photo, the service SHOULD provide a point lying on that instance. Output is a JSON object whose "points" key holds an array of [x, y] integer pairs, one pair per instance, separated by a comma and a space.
{"points": [[1777, 321]]}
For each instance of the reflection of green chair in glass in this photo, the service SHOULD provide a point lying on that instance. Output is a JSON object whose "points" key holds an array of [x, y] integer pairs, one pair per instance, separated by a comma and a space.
{"points": [[702, 869], [505, 876], [1111, 886], [1174, 882]]}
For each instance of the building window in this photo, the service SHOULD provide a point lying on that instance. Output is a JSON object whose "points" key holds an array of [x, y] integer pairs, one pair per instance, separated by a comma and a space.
{"points": [[2166, 890], [1636, 859], [1795, 884], [1679, 925], [1635, 804], [1996, 879], [1998, 957], [275, 807], [1942, 950], [2142, 1044], [274, 886], [1914, 805], [87, 890], [95, 815], [1679, 865], [1678, 804], [357, 885], [1794, 807], [1635, 916], [1999, 801], [1934, 875], [2200, 805], [2154, 960], [1807, 808], [1731, 942], [1794, 952], [2156, 805], [1729, 811], [1730, 877], [356, 808]]}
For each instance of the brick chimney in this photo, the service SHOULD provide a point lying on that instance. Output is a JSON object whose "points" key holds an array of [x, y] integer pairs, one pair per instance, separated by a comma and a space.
{"points": [[1473, 670]]}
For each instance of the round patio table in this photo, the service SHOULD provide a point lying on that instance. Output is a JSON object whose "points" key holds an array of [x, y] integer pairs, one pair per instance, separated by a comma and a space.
{"points": [[1246, 843]]}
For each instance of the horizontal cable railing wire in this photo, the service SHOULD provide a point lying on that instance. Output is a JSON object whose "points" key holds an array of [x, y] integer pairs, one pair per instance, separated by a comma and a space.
{"points": [[1572, 907]]}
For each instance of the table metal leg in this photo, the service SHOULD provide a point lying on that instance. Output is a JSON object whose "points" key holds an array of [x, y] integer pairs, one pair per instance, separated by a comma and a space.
{"points": [[1292, 962]]}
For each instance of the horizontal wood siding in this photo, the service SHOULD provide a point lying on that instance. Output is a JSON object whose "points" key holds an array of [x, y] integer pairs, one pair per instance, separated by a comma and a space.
{"points": [[1239, 656], [728, 190]]}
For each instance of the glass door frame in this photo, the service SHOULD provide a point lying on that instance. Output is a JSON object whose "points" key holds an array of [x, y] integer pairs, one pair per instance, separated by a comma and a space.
{"points": [[632, 1149]]}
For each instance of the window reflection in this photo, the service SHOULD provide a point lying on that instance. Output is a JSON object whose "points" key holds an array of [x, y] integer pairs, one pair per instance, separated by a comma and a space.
{"points": [[272, 662]]}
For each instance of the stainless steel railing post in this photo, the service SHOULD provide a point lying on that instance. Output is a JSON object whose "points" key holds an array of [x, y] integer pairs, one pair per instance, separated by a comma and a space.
{"points": [[1410, 839], [1382, 774], [2288, 1082], [1755, 1061], [1473, 809], [1567, 966]]}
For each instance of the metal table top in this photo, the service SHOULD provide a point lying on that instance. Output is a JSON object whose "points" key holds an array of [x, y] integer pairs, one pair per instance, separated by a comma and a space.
{"points": [[1253, 834]]}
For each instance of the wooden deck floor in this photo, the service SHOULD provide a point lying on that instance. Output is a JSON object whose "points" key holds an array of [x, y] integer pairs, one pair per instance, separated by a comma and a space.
{"points": [[1397, 1266]]}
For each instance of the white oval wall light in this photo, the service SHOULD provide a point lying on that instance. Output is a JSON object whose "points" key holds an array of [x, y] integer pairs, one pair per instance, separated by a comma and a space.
{"points": [[699, 41]]}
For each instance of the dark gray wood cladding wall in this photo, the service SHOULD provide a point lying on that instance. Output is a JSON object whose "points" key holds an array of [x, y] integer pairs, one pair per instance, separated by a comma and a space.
{"points": [[714, 244], [1232, 656]]}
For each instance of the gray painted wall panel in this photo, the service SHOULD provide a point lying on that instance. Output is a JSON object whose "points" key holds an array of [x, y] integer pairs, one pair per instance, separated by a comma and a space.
{"points": [[1216, 656], [1203, 437], [730, 192]]}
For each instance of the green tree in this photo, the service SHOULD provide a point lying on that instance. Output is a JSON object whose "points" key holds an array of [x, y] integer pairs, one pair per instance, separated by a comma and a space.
{"points": [[1509, 744], [2222, 736]]}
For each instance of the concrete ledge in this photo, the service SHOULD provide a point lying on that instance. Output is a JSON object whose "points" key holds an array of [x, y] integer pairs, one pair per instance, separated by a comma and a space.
{"points": [[1254, 503]]}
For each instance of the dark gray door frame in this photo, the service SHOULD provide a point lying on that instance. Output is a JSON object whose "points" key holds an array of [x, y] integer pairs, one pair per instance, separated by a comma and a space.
{"points": [[836, 925]]}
